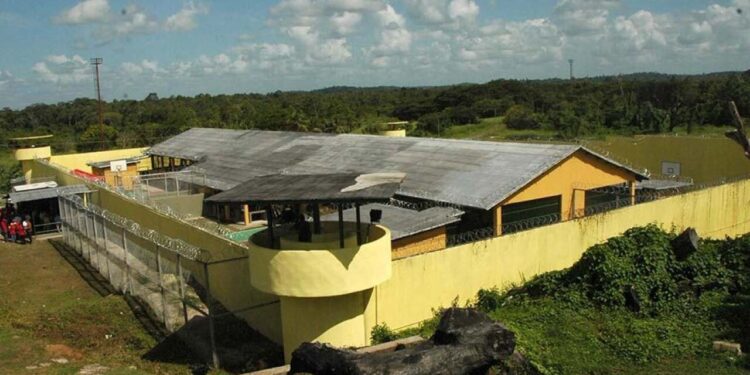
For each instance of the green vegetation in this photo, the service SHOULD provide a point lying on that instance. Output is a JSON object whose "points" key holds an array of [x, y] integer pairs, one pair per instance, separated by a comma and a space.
{"points": [[49, 312], [581, 320]]}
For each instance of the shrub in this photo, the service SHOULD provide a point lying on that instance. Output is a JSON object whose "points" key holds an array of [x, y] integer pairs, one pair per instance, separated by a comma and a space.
{"points": [[521, 117], [382, 333]]}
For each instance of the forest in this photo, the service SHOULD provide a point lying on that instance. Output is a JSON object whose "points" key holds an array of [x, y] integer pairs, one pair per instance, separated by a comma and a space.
{"points": [[644, 103]]}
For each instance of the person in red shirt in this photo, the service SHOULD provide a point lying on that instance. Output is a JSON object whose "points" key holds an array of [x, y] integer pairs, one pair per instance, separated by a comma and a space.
{"points": [[20, 233], [4, 228], [12, 228]]}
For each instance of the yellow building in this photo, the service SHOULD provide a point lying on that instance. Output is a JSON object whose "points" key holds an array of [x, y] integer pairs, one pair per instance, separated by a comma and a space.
{"points": [[118, 172], [457, 195]]}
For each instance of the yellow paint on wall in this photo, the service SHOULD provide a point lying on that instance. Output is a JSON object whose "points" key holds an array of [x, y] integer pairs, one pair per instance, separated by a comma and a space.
{"points": [[579, 171], [336, 320], [79, 161], [431, 240], [322, 272], [421, 283]]}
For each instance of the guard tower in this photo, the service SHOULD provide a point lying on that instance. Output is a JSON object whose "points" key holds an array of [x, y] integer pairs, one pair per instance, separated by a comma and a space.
{"points": [[394, 129], [26, 149], [324, 275]]}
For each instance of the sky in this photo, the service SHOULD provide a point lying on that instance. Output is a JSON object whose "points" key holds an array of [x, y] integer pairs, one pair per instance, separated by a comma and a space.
{"points": [[183, 47]]}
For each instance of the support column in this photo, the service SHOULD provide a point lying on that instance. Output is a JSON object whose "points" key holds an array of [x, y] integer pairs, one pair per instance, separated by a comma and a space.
{"points": [[579, 203], [341, 225], [246, 211], [316, 219], [631, 188], [497, 220], [359, 231]]}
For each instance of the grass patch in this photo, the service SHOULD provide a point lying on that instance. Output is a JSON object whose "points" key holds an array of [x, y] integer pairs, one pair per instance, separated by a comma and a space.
{"points": [[494, 129]]}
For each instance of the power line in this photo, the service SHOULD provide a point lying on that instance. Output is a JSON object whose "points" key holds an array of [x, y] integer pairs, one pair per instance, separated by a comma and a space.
{"points": [[96, 61]]}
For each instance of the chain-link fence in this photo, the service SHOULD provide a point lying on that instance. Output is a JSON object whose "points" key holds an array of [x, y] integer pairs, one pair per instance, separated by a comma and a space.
{"points": [[170, 278]]}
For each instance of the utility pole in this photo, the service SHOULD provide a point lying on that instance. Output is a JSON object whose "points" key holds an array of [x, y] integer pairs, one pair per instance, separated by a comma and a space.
{"points": [[96, 61], [570, 61]]}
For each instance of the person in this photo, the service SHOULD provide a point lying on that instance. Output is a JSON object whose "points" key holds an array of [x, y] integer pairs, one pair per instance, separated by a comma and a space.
{"points": [[4, 228], [20, 232], [12, 230], [26, 224]]}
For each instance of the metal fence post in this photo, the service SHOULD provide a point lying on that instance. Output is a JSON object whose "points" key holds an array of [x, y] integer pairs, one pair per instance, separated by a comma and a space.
{"points": [[126, 287], [79, 230], [161, 287], [96, 243], [106, 247], [181, 285], [210, 301]]}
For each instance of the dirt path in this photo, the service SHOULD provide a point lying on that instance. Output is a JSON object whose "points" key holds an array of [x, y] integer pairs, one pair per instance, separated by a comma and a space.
{"points": [[57, 317]]}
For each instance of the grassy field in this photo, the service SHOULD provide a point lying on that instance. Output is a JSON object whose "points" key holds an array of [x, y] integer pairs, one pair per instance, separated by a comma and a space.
{"points": [[493, 129], [705, 155], [55, 320]]}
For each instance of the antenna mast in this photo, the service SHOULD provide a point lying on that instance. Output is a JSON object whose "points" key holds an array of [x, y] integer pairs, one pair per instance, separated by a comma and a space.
{"points": [[570, 61], [96, 61]]}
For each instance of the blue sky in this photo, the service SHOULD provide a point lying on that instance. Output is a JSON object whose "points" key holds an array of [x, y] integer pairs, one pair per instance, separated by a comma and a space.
{"points": [[189, 47]]}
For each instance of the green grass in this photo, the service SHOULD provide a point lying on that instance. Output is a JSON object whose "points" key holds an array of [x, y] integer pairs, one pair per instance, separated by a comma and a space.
{"points": [[493, 129], [44, 301]]}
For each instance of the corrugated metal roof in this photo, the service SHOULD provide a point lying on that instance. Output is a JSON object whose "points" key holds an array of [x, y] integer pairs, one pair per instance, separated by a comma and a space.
{"points": [[33, 195], [348, 187], [467, 173], [403, 222]]}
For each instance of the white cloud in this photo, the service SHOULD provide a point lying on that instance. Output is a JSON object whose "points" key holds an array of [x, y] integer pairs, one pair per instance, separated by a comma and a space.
{"points": [[430, 11], [331, 51], [87, 11], [345, 22], [184, 19], [63, 70], [583, 17], [463, 9]]}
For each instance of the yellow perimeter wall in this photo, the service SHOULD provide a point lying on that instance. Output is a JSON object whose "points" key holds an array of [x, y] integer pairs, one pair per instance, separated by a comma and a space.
{"points": [[426, 281], [79, 161]]}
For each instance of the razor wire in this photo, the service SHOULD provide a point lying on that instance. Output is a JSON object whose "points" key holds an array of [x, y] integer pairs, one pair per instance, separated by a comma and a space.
{"points": [[473, 235], [530, 223], [171, 244]]}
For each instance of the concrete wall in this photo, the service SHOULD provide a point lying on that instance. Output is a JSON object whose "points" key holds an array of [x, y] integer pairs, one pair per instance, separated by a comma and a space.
{"points": [[423, 282], [419, 243], [191, 204]]}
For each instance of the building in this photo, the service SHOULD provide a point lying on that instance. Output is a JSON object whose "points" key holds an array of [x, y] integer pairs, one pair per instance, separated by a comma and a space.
{"points": [[458, 221], [499, 186]]}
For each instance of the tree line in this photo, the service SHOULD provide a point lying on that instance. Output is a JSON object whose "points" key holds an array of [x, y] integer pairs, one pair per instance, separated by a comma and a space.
{"points": [[632, 104]]}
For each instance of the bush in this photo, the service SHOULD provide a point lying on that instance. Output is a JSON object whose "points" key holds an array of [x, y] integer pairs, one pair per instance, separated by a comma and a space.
{"points": [[520, 117], [382, 333]]}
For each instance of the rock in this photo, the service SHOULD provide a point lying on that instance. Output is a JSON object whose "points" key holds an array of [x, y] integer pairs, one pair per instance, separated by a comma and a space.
{"points": [[726, 346], [685, 244], [61, 361], [93, 369], [465, 342]]}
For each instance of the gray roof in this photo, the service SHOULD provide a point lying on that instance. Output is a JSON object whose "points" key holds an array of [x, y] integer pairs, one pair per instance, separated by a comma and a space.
{"points": [[346, 187], [403, 222], [106, 163], [46, 193], [467, 173], [662, 184]]}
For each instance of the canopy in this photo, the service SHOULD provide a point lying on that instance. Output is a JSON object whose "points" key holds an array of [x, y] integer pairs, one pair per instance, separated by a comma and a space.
{"points": [[46, 193]]}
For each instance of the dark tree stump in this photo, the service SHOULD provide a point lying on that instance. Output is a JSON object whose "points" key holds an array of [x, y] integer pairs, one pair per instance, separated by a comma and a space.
{"points": [[685, 244], [465, 342]]}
